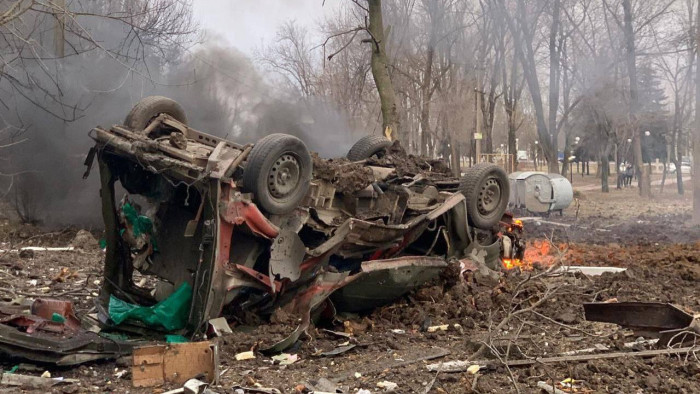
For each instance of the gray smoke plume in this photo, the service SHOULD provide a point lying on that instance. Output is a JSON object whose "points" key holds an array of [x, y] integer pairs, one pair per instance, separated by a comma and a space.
{"points": [[219, 87]]}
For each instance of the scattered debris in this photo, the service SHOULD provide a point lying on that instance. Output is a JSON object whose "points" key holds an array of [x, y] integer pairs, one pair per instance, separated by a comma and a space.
{"points": [[261, 390], [549, 388], [322, 385], [387, 386], [245, 356], [338, 350], [590, 271], [33, 382], [473, 369], [285, 359], [192, 386], [442, 327], [219, 326]]}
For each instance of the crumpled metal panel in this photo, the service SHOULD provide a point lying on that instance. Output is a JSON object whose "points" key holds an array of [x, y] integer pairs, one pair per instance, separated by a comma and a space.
{"points": [[383, 281], [50, 342]]}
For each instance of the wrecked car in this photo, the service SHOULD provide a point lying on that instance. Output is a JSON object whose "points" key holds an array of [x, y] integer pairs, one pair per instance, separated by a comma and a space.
{"points": [[247, 229]]}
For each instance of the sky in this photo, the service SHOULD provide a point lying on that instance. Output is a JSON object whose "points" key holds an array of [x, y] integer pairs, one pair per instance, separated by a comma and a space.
{"points": [[247, 24]]}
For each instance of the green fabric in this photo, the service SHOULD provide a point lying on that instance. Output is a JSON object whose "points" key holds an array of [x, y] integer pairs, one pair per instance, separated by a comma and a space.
{"points": [[175, 339], [103, 243], [139, 223], [171, 313], [58, 318]]}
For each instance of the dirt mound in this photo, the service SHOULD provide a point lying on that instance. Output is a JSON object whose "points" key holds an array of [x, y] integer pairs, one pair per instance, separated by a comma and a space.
{"points": [[600, 229], [84, 240], [347, 177], [410, 165]]}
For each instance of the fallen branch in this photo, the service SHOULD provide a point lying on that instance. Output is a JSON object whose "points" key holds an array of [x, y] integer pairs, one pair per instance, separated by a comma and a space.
{"points": [[461, 366], [439, 353], [549, 388]]}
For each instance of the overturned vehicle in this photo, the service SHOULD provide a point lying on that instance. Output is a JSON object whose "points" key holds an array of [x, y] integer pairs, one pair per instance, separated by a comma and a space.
{"points": [[246, 230]]}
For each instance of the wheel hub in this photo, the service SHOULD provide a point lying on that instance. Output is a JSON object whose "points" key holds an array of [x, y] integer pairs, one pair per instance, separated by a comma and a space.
{"points": [[284, 176], [489, 196]]}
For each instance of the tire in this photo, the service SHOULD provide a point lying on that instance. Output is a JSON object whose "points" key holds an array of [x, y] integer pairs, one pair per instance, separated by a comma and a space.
{"points": [[367, 147], [278, 172], [149, 107], [487, 190]]}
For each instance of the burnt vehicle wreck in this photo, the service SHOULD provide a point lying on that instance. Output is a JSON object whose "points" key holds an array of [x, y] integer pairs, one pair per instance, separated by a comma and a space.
{"points": [[249, 229]]}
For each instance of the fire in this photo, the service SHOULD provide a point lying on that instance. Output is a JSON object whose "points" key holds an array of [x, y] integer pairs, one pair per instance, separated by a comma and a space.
{"points": [[536, 252], [509, 264]]}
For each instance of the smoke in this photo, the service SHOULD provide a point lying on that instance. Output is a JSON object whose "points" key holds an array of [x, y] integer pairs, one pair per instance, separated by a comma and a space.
{"points": [[219, 87]]}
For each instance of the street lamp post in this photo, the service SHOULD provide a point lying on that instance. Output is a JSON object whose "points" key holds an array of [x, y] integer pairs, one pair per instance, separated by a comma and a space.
{"points": [[648, 147]]}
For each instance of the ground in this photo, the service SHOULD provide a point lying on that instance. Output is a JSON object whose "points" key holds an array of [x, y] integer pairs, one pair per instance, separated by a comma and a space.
{"points": [[526, 314]]}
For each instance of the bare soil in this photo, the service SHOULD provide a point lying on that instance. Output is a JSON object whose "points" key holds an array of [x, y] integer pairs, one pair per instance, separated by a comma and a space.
{"points": [[650, 238]]}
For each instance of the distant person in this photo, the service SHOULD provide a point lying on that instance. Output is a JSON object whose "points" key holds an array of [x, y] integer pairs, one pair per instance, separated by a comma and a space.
{"points": [[629, 174], [620, 179]]}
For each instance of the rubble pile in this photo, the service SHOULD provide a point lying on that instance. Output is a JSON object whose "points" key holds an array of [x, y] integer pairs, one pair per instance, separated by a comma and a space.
{"points": [[347, 177], [446, 321]]}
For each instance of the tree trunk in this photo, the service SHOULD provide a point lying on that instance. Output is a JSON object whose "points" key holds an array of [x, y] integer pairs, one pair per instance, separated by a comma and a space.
{"points": [[674, 149], [488, 111], [554, 72], [426, 93], [604, 173], [511, 137], [521, 34], [605, 168], [696, 133], [644, 176], [380, 72]]}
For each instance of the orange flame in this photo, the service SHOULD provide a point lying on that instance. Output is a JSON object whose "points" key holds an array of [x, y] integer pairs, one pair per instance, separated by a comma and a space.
{"points": [[536, 252], [509, 264]]}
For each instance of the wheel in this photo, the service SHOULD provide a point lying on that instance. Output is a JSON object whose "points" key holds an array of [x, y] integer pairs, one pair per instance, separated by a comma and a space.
{"points": [[278, 172], [367, 147], [149, 107], [487, 190]]}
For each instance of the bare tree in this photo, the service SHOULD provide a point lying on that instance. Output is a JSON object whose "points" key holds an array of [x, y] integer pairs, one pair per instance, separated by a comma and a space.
{"points": [[290, 56], [696, 132], [29, 65]]}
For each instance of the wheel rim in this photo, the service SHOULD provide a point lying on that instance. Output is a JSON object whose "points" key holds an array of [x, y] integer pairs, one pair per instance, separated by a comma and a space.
{"points": [[284, 176], [489, 196], [379, 153]]}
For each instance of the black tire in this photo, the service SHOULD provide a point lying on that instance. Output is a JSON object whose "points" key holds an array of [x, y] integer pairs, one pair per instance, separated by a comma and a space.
{"points": [[149, 107], [273, 161], [487, 190], [367, 147]]}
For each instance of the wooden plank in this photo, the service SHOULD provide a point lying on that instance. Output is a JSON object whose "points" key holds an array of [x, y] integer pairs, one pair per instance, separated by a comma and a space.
{"points": [[184, 361], [147, 368], [176, 363]]}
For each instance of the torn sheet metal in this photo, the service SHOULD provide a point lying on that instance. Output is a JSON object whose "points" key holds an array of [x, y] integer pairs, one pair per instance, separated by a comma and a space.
{"points": [[286, 255], [649, 319], [67, 348]]}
